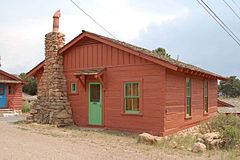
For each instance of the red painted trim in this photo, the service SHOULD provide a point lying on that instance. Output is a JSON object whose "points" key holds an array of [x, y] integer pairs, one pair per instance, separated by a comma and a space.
{"points": [[35, 69], [200, 74], [10, 76]]}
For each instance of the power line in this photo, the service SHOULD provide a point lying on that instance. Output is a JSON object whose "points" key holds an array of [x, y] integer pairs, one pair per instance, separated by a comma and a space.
{"points": [[236, 4], [93, 19], [231, 9], [219, 21]]}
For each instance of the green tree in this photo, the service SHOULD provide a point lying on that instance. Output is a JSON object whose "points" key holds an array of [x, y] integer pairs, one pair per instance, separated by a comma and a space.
{"points": [[160, 52], [231, 87], [30, 86]]}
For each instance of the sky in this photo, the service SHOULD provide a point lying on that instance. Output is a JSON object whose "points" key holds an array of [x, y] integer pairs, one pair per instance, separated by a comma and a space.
{"points": [[182, 27]]}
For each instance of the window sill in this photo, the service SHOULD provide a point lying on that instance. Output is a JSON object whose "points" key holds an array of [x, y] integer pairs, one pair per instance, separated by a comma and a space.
{"points": [[131, 114], [205, 114], [73, 93], [188, 118]]}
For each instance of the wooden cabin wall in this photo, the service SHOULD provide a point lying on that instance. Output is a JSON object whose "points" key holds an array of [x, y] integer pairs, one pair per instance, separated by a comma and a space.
{"points": [[120, 66], [175, 101]]}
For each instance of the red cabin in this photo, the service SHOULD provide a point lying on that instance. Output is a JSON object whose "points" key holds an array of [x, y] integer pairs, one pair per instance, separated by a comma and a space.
{"points": [[116, 85], [10, 91]]}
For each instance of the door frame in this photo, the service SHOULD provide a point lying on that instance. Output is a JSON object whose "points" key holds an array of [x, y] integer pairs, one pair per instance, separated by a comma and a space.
{"points": [[101, 102], [4, 95]]}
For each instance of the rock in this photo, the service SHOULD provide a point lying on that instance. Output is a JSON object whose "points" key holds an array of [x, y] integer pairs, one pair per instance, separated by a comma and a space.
{"points": [[159, 139], [173, 144], [33, 111], [63, 115], [217, 143], [213, 140], [208, 137], [198, 147], [147, 138], [200, 140]]}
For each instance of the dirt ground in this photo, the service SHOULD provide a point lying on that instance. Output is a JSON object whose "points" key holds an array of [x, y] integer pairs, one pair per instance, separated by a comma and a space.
{"points": [[23, 141]]}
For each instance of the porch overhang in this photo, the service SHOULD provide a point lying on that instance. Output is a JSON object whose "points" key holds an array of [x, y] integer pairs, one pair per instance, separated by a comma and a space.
{"points": [[10, 81], [94, 72]]}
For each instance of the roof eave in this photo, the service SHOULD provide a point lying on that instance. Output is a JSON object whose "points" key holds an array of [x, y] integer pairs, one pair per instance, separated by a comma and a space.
{"points": [[35, 69]]}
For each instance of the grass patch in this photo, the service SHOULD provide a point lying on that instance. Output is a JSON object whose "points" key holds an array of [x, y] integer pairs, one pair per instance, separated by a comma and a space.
{"points": [[25, 107], [182, 142], [229, 128]]}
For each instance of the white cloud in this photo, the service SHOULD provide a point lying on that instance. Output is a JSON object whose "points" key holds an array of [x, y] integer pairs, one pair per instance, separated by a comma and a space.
{"points": [[121, 18], [22, 45]]}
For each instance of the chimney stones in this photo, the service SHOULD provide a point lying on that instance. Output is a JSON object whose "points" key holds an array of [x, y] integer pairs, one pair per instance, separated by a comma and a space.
{"points": [[52, 105]]}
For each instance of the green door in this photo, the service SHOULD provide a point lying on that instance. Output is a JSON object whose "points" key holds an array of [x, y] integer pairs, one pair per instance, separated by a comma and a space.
{"points": [[95, 104]]}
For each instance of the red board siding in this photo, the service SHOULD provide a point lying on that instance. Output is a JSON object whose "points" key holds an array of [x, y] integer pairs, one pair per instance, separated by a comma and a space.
{"points": [[175, 101], [151, 120], [163, 90], [98, 55], [3, 77], [120, 66], [16, 98]]}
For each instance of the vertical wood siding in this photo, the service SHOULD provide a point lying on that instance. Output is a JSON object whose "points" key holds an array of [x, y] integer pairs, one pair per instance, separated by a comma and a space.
{"points": [[98, 55]]}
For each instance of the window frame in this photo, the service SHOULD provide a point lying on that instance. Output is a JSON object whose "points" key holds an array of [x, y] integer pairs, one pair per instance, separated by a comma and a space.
{"points": [[10, 91], [140, 94], [188, 115], [76, 88], [205, 97]]}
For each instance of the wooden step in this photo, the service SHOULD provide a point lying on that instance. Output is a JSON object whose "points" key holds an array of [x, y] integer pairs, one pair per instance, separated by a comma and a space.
{"points": [[4, 111]]}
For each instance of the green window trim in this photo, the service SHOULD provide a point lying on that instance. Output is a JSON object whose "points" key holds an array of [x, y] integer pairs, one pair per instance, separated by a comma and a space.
{"points": [[132, 97], [188, 97], [205, 91], [73, 88]]}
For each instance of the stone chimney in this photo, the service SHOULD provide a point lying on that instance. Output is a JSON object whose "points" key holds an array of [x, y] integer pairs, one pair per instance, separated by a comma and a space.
{"points": [[52, 105]]}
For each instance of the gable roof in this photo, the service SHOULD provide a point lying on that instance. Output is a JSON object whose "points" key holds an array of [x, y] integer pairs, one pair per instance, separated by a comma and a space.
{"points": [[143, 53], [12, 78], [35, 69]]}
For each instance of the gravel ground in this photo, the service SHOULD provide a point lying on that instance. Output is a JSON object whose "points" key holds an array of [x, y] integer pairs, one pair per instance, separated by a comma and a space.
{"points": [[43, 142]]}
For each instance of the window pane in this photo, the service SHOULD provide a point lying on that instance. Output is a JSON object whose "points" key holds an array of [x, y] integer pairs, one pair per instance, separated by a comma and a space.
{"points": [[188, 90], [10, 90], [1, 90], [205, 88], [135, 87], [136, 104], [205, 104], [128, 104], [188, 101], [188, 82], [73, 87], [95, 93], [128, 89]]}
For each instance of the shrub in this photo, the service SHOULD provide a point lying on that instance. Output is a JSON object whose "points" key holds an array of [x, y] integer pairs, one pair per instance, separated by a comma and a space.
{"points": [[25, 107], [229, 128]]}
